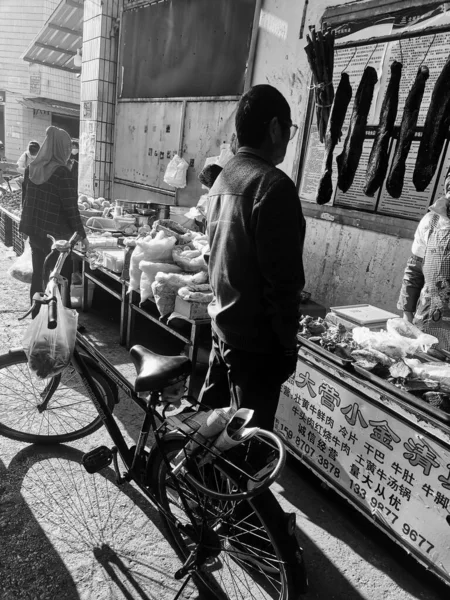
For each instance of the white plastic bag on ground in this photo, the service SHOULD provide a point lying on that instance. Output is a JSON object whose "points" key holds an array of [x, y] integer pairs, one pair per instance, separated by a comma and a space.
{"points": [[22, 268], [49, 350], [175, 174]]}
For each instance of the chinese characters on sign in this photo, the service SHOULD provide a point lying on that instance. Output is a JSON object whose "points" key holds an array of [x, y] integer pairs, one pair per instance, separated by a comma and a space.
{"points": [[35, 83], [380, 461]]}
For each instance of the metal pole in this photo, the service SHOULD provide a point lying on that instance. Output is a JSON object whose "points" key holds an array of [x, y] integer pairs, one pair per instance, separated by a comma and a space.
{"points": [[252, 49]]}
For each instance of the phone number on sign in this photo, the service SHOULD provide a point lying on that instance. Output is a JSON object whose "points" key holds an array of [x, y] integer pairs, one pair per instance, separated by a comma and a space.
{"points": [[306, 448], [418, 539]]}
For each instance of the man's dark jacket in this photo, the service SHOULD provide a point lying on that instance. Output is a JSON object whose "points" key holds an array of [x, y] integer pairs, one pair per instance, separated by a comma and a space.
{"points": [[256, 231]]}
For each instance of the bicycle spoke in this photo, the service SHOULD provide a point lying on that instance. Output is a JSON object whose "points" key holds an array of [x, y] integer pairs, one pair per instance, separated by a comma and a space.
{"points": [[248, 566], [67, 413]]}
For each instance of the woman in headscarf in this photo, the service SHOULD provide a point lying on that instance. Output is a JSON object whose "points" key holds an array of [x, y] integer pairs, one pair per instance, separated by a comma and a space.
{"points": [[50, 205]]}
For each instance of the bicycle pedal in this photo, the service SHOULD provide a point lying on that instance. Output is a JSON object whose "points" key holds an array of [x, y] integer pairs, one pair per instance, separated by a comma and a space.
{"points": [[97, 459]]}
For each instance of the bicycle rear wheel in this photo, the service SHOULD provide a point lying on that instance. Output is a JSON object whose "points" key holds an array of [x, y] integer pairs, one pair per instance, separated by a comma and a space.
{"points": [[69, 415], [250, 554]]}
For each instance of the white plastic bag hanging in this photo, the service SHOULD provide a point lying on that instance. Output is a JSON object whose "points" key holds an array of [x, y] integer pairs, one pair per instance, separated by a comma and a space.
{"points": [[22, 268], [226, 154], [175, 174], [49, 350]]}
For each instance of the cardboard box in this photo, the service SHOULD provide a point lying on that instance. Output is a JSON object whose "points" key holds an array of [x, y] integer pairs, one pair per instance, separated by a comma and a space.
{"points": [[191, 310]]}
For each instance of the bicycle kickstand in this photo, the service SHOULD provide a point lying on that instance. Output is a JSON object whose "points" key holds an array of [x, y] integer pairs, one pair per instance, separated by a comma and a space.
{"points": [[185, 582]]}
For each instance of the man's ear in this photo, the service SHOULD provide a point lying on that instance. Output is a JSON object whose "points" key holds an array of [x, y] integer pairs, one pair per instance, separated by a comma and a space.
{"points": [[274, 129]]}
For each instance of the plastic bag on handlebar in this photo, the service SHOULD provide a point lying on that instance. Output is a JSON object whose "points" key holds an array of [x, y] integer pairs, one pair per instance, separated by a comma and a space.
{"points": [[49, 350]]}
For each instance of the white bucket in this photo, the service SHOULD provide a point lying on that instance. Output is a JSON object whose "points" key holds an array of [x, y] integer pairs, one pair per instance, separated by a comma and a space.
{"points": [[76, 294]]}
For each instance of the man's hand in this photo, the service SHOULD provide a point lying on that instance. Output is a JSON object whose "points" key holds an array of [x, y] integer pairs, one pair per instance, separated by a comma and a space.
{"points": [[288, 363], [85, 244], [408, 316]]}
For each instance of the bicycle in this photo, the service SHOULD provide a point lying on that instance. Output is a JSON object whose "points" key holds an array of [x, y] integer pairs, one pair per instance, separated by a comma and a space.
{"points": [[225, 522]]}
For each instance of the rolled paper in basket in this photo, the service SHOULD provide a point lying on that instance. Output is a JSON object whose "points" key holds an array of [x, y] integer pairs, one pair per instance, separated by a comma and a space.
{"points": [[233, 434], [206, 426]]}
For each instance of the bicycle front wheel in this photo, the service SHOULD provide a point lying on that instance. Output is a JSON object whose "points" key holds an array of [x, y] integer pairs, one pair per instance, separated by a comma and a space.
{"points": [[68, 415], [246, 553]]}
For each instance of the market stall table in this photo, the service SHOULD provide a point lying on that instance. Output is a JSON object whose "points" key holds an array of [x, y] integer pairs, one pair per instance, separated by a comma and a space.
{"points": [[385, 451], [149, 311], [118, 290]]}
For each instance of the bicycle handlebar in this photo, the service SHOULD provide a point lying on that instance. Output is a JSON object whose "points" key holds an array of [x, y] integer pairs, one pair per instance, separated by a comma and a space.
{"points": [[64, 248], [52, 313]]}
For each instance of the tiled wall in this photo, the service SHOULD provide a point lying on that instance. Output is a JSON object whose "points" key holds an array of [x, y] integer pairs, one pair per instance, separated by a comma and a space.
{"points": [[20, 22], [98, 91]]}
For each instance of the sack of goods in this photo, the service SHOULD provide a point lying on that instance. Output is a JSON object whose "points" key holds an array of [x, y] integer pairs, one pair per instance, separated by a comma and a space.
{"points": [[166, 286], [49, 350], [188, 259], [157, 250]]}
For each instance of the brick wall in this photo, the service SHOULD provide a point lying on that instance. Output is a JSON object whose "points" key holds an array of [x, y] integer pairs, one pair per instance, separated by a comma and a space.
{"points": [[20, 22]]}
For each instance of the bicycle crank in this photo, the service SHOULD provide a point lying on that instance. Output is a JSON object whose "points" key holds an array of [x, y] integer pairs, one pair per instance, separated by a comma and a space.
{"points": [[97, 459]]}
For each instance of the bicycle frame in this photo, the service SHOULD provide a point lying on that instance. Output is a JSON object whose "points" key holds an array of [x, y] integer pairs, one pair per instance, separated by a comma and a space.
{"points": [[132, 461]]}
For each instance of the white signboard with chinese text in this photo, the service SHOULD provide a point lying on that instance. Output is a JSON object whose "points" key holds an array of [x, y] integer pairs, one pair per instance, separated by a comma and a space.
{"points": [[386, 466]]}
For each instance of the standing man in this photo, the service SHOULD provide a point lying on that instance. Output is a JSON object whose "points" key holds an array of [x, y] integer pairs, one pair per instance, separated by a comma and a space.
{"points": [[256, 231]]}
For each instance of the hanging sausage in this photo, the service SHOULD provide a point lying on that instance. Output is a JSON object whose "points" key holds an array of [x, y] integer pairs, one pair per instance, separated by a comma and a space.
{"points": [[435, 131], [379, 159], [333, 135], [394, 182], [348, 160]]}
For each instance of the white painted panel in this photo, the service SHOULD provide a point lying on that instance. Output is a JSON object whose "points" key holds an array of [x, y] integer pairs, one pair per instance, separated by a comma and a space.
{"points": [[207, 125], [147, 135]]}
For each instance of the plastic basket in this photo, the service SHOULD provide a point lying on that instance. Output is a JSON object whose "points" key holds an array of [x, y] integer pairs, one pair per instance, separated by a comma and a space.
{"points": [[18, 240], [5, 228]]}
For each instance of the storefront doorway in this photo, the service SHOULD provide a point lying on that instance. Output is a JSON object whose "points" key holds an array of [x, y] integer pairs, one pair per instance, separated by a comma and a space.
{"points": [[70, 124]]}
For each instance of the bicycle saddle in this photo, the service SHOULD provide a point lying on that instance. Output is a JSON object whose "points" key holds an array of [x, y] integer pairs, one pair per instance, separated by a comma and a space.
{"points": [[156, 372]]}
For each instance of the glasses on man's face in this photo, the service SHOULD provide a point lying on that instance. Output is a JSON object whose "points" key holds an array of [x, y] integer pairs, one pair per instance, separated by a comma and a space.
{"points": [[292, 127], [293, 131]]}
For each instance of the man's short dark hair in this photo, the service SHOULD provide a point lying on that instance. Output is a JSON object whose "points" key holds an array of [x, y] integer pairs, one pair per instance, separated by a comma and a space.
{"points": [[33, 147], [209, 174], [256, 109]]}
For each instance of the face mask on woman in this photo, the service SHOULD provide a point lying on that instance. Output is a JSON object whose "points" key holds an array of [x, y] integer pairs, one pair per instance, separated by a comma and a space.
{"points": [[74, 151]]}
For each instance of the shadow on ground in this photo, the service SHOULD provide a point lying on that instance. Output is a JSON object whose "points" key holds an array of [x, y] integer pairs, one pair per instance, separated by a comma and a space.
{"points": [[34, 565], [89, 537]]}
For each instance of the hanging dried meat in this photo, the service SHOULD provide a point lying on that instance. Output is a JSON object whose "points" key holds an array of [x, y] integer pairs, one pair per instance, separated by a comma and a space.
{"points": [[348, 161], [379, 160], [435, 131], [320, 54], [333, 135], [394, 182]]}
